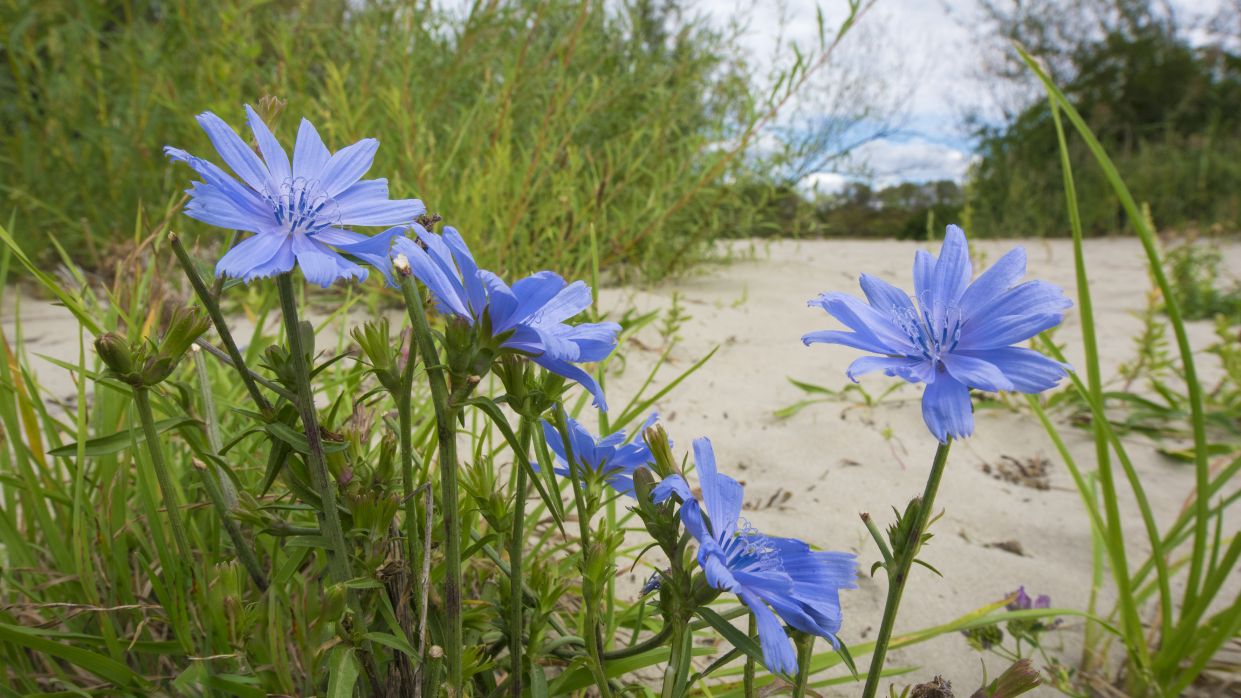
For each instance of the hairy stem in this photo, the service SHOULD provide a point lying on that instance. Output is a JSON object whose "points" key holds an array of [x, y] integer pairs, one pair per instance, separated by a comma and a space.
{"points": [[143, 400], [904, 563], [589, 593], [329, 516], [747, 680], [217, 318], [446, 431], [245, 553], [515, 553], [805, 652]]}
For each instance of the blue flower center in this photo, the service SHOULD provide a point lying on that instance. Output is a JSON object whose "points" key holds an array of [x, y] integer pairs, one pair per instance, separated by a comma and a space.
{"points": [[301, 206], [748, 548], [930, 338]]}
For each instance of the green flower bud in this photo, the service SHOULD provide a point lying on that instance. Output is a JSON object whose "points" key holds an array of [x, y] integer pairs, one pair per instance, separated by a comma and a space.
{"points": [[186, 325], [115, 352], [657, 440], [375, 341]]}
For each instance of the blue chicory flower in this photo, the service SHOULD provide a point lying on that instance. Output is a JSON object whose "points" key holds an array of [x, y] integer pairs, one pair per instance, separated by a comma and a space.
{"points": [[296, 210], [802, 586], [529, 316], [958, 336], [609, 458]]}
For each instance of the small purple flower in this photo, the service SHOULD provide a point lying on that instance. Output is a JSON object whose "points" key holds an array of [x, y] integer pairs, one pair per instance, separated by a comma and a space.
{"points": [[1023, 602], [777, 578], [528, 317], [609, 458], [955, 335], [297, 210]]}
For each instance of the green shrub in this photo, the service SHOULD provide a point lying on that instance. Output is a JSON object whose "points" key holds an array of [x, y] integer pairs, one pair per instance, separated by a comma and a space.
{"points": [[535, 125]]}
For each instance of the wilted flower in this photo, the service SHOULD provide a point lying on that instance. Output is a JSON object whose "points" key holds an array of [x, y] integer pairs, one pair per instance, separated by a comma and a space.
{"points": [[527, 318], [784, 575], [297, 209], [609, 458], [956, 335]]}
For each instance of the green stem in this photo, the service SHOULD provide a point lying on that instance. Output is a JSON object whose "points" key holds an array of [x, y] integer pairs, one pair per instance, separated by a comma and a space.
{"points": [[515, 552], [446, 431], [905, 561], [143, 400], [679, 651], [405, 419], [805, 652], [329, 516], [589, 592], [747, 680], [245, 553], [217, 318]]}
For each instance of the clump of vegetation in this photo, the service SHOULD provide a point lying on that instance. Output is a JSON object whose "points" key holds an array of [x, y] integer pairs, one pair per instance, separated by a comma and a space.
{"points": [[1164, 100], [597, 126], [1202, 286]]}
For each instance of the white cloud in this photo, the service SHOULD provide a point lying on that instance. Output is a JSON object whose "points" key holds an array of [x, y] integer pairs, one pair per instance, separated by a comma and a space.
{"points": [[823, 183], [892, 161], [935, 40]]}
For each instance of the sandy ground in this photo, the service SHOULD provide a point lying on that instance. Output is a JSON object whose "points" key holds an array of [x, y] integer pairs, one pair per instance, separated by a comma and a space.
{"points": [[810, 475]]}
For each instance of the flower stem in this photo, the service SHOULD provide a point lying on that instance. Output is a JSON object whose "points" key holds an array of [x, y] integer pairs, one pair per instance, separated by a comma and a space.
{"points": [[217, 318], [589, 590], [143, 400], [679, 653], [904, 563], [805, 651], [245, 554], [405, 419], [747, 680], [515, 553], [446, 431], [329, 516]]}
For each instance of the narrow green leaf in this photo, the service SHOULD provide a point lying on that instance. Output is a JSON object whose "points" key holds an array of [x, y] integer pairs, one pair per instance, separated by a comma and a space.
{"points": [[97, 664], [121, 440], [732, 633]]}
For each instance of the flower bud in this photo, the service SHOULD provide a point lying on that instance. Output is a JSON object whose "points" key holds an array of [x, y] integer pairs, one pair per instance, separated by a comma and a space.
{"points": [[661, 449], [186, 325], [375, 341], [115, 352]]}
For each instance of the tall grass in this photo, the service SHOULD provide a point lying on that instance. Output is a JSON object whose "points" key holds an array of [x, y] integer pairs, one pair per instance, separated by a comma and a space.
{"points": [[534, 125], [1166, 649]]}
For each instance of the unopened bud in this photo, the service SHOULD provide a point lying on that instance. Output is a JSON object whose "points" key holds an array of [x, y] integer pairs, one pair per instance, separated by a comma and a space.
{"points": [[186, 325], [115, 352]]}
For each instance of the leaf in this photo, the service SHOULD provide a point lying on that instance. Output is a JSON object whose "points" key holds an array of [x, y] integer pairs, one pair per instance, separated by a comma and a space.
{"points": [[297, 440], [390, 640], [489, 408], [97, 664], [732, 633], [121, 440], [577, 676], [811, 387], [342, 673], [847, 657]]}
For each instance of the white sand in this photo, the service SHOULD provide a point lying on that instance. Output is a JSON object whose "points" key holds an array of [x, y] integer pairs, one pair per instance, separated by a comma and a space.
{"points": [[836, 459]]}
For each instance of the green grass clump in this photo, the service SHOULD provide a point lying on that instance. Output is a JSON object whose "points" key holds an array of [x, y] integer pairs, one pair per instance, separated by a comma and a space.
{"points": [[532, 126]]}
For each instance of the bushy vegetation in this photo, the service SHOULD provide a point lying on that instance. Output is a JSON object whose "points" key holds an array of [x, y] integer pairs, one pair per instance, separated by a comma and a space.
{"points": [[545, 127], [1167, 108]]}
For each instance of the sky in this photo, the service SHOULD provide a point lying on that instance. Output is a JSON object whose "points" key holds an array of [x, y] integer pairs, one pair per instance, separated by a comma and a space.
{"points": [[927, 47]]}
